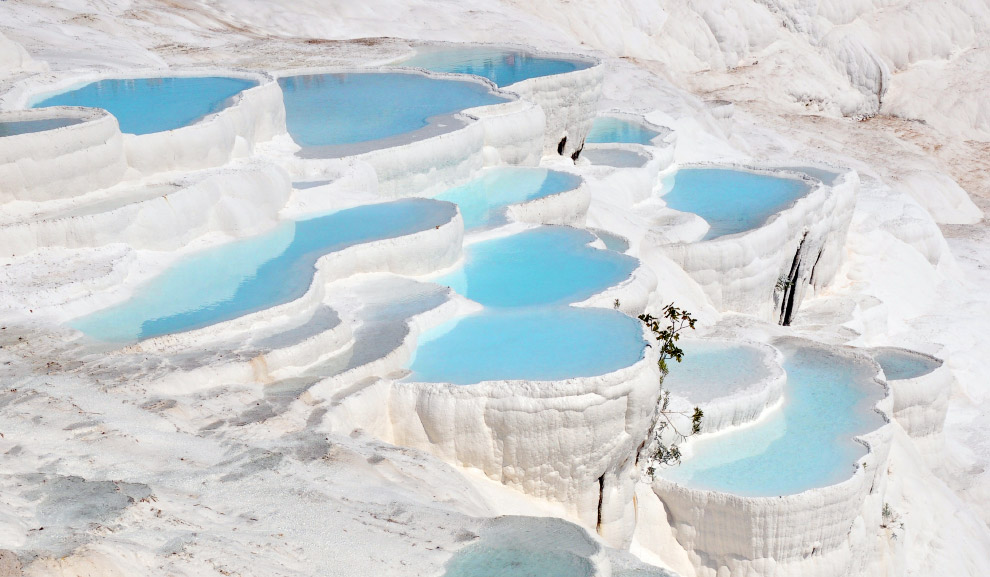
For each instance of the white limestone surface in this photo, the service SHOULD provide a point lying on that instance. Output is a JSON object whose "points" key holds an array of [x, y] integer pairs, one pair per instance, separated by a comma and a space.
{"points": [[64, 162], [759, 393], [819, 532], [568, 207], [802, 244], [255, 115], [570, 102], [414, 254], [571, 442], [157, 216], [424, 163], [920, 403]]}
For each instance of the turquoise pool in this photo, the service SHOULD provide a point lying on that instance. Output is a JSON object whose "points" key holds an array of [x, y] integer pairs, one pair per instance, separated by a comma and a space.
{"points": [[542, 343], [898, 364], [146, 105], [502, 66], [483, 200], [713, 369], [331, 113], [610, 129], [550, 265], [732, 201], [807, 443], [28, 126], [246, 276], [515, 546]]}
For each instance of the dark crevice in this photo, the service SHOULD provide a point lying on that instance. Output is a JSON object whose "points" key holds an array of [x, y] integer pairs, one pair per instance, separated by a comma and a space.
{"points": [[814, 267], [601, 498], [577, 152], [561, 145], [790, 289]]}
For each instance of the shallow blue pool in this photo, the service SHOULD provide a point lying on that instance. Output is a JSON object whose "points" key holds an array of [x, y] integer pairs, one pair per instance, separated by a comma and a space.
{"points": [[526, 547], [609, 129], [503, 67], [543, 343], [483, 200], [249, 275], [807, 443], [898, 364], [732, 201], [543, 266], [713, 369], [28, 126], [333, 110], [146, 105], [615, 157]]}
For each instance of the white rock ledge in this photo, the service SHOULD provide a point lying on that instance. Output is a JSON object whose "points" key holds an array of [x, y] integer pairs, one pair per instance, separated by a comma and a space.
{"points": [[418, 253], [571, 441], [803, 244], [63, 162], [424, 163], [920, 404], [746, 404], [238, 202], [823, 532], [256, 115]]}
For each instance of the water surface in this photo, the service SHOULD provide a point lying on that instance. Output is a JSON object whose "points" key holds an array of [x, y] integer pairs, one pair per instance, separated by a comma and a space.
{"points": [[146, 105], [807, 443], [253, 274], [13, 127], [483, 201], [732, 201], [503, 67]]}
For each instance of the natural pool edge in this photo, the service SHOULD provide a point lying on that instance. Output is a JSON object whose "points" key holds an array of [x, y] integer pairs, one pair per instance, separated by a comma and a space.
{"points": [[787, 530], [740, 272], [921, 403], [478, 427], [747, 404], [569, 100], [509, 132], [255, 115], [418, 253], [68, 161]]}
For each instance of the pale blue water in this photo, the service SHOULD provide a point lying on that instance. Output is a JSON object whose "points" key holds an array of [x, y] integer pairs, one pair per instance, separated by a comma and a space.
{"points": [[609, 129], [712, 369], [543, 266], [807, 443], [615, 157], [249, 275], [28, 126], [541, 343], [339, 109], [146, 105], [526, 547], [732, 201], [612, 241], [503, 67], [483, 200], [898, 364]]}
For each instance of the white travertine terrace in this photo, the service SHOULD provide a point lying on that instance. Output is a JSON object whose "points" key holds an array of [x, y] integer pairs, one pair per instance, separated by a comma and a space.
{"points": [[920, 403], [414, 254], [802, 243], [570, 101], [238, 202], [746, 404], [568, 207], [64, 162], [818, 532], [255, 115]]}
